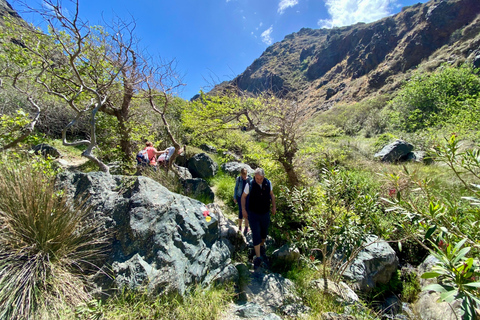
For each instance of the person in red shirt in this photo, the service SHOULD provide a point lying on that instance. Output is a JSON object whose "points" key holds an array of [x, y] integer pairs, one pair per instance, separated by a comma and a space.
{"points": [[152, 153]]}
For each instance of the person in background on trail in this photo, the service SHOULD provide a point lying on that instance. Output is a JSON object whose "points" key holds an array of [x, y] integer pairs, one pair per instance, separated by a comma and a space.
{"points": [[256, 199], [242, 180], [167, 154], [152, 153]]}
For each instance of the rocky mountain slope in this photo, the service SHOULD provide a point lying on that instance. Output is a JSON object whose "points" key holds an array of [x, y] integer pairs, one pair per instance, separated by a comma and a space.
{"points": [[6, 10], [327, 66]]}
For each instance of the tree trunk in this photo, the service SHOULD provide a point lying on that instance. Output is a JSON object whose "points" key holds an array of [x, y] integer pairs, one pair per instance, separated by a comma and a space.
{"points": [[291, 174]]}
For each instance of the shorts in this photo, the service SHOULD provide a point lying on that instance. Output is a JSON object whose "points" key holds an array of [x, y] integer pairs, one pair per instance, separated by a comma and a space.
{"points": [[259, 225]]}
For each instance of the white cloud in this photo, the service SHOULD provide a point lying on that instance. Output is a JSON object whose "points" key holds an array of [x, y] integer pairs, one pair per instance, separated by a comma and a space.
{"points": [[284, 4], [267, 36], [348, 12]]}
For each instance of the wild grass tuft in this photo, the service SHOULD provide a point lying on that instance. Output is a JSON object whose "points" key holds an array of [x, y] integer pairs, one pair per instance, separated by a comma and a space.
{"points": [[168, 179], [224, 185], [199, 304], [46, 246]]}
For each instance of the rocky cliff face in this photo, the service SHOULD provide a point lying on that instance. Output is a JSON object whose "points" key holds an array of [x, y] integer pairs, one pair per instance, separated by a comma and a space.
{"points": [[6, 10], [326, 66]]}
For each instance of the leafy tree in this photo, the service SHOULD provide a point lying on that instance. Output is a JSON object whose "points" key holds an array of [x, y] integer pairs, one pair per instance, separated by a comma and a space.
{"points": [[92, 69], [274, 120], [161, 82]]}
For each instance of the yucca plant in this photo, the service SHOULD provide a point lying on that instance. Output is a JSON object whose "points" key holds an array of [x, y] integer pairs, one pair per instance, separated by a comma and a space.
{"points": [[47, 245]]}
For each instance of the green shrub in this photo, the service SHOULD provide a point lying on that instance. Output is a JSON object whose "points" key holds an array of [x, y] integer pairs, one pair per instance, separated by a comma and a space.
{"points": [[449, 95], [446, 223], [46, 247], [427, 208], [410, 286], [12, 126], [364, 116]]}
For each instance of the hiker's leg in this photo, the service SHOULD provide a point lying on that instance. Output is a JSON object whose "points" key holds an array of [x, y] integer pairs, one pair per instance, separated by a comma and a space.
{"points": [[257, 250], [254, 222], [264, 220], [264, 224], [240, 214]]}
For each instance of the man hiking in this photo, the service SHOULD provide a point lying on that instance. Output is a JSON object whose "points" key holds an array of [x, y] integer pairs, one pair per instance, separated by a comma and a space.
{"points": [[256, 199]]}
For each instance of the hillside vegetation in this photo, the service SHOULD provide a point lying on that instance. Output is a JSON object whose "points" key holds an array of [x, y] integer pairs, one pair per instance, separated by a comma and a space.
{"points": [[331, 191]]}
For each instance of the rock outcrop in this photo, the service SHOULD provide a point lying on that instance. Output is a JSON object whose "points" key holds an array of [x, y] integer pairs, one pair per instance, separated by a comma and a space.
{"points": [[6, 10], [233, 168], [202, 166], [376, 263], [396, 151], [198, 188], [159, 239]]}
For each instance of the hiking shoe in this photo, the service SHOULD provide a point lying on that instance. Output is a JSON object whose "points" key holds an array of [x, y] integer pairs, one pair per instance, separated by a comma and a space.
{"points": [[245, 231], [257, 262]]}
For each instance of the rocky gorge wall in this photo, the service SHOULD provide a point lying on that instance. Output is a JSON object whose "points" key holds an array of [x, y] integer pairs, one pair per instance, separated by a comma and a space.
{"points": [[326, 66]]}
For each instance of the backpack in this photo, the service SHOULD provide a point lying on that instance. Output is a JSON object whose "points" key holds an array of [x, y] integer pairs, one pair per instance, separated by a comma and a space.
{"points": [[142, 157]]}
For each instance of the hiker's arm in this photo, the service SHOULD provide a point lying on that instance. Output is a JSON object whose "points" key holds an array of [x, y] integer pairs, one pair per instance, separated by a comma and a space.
{"points": [[274, 207], [235, 191], [244, 201], [157, 153]]}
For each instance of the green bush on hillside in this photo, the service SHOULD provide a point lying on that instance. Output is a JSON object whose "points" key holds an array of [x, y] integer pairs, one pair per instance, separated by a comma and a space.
{"points": [[449, 95], [361, 117]]}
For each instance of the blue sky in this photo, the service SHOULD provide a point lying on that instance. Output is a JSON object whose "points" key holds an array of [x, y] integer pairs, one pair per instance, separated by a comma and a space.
{"points": [[215, 40]]}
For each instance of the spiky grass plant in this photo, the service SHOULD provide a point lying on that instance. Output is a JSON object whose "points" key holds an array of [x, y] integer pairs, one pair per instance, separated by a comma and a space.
{"points": [[47, 246], [168, 179]]}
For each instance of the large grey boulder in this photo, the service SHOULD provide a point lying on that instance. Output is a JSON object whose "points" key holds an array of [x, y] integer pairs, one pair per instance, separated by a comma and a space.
{"points": [[198, 188], [271, 291], [427, 307], [202, 166], [233, 168], [228, 230], [376, 263], [286, 254], [395, 151], [158, 239], [183, 172]]}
